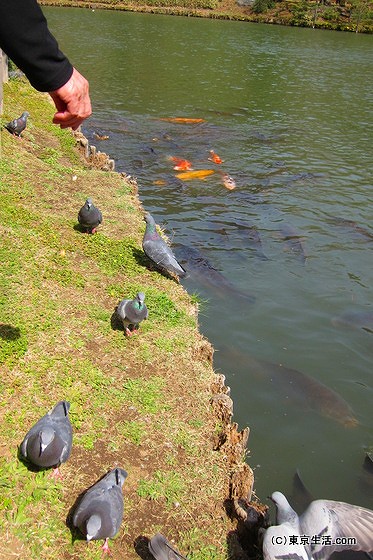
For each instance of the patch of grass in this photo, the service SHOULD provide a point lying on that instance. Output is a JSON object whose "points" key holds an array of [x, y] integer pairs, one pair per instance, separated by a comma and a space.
{"points": [[167, 486], [112, 255], [27, 496], [145, 395], [164, 310], [194, 539], [133, 431]]}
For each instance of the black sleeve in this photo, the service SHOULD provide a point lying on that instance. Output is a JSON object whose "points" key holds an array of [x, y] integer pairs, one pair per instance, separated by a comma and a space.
{"points": [[26, 39]]}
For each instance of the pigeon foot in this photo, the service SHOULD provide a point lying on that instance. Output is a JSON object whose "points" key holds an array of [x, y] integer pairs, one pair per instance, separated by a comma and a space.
{"points": [[105, 547], [56, 474]]}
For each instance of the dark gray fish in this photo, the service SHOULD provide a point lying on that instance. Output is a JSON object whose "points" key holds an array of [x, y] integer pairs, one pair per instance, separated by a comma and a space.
{"points": [[300, 387], [48, 443], [355, 319], [17, 126], [99, 513], [162, 549], [198, 266], [353, 226], [294, 241], [131, 312], [157, 250], [312, 392], [89, 216], [254, 240]]}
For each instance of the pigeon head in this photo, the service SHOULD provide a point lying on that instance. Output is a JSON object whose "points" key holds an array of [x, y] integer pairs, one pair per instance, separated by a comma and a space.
{"points": [[24, 115], [120, 476], [140, 298], [61, 409], [89, 202], [284, 511], [149, 219], [93, 526]]}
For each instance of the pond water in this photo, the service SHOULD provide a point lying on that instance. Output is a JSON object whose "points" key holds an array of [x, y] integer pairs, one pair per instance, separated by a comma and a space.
{"points": [[289, 112]]}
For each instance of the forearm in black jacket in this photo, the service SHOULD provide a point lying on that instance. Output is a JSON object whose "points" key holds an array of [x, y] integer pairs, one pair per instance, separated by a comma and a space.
{"points": [[26, 39]]}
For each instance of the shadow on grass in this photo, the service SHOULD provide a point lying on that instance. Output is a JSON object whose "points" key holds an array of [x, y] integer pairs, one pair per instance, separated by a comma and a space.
{"points": [[141, 258], [8, 332], [141, 547]]}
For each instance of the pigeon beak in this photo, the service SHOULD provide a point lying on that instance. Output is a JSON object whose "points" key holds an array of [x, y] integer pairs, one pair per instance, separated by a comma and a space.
{"points": [[89, 537]]}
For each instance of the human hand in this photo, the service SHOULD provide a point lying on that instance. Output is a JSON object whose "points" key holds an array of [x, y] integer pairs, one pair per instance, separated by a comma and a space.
{"points": [[72, 102]]}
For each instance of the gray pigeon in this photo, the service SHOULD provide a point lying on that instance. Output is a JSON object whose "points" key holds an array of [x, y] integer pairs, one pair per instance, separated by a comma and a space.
{"points": [[131, 312], [89, 216], [17, 126], [100, 512], [48, 443], [315, 534], [159, 252], [162, 549]]}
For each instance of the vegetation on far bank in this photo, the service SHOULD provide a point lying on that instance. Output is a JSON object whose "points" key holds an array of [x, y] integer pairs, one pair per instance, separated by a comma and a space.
{"points": [[142, 402], [341, 15]]}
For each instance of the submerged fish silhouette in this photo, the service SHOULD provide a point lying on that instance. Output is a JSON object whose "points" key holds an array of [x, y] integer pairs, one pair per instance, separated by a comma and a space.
{"points": [[198, 266], [294, 241], [254, 241], [353, 226], [355, 319], [309, 390]]}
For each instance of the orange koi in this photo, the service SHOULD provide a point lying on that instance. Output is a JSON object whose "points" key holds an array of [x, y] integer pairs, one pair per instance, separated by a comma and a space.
{"points": [[182, 120], [214, 157], [228, 182], [181, 164], [198, 174]]}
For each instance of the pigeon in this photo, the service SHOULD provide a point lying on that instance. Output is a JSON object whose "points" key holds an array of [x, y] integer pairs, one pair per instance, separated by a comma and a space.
{"points": [[325, 527], [132, 312], [161, 549], [48, 443], [17, 126], [100, 511], [159, 252], [89, 216]]}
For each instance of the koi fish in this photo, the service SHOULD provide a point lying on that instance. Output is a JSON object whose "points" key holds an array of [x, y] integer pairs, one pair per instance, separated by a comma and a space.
{"points": [[228, 182], [198, 174], [294, 241], [100, 136], [182, 120], [214, 157], [181, 164]]}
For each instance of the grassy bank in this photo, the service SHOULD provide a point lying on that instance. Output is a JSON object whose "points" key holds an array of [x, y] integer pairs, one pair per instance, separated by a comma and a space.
{"points": [[352, 15], [142, 402]]}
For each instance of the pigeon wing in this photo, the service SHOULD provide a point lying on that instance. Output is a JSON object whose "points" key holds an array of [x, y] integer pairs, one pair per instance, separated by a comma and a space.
{"points": [[281, 542], [341, 527], [60, 420], [161, 549], [161, 254]]}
